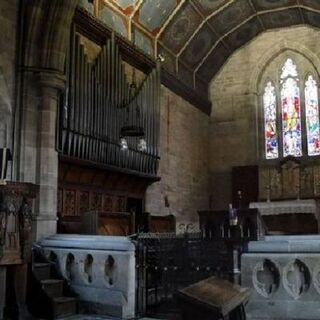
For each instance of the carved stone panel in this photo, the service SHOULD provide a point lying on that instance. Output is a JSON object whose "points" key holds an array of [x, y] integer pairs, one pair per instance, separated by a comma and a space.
{"points": [[316, 180], [306, 181], [275, 184], [266, 278], [264, 183], [290, 179], [296, 278]]}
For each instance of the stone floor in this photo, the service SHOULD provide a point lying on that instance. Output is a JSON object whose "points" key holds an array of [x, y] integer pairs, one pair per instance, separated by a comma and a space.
{"points": [[96, 317]]}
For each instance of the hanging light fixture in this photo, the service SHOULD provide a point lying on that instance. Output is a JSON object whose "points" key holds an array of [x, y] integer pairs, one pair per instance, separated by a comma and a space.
{"points": [[133, 130], [123, 144]]}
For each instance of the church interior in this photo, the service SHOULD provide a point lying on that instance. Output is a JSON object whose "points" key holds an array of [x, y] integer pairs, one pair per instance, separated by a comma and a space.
{"points": [[159, 159]]}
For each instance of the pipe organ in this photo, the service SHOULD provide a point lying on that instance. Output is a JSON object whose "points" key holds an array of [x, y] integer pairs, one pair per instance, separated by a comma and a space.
{"points": [[97, 104]]}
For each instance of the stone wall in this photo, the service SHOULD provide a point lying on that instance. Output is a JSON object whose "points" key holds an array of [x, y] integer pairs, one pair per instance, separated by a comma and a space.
{"points": [[184, 166], [236, 96], [8, 55]]}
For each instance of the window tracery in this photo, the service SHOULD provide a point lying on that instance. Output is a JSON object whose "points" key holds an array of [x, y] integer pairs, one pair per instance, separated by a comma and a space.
{"points": [[291, 124]]}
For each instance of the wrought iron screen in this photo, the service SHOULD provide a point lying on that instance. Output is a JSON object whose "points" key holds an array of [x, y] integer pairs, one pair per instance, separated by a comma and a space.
{"points": [[168, 262]]}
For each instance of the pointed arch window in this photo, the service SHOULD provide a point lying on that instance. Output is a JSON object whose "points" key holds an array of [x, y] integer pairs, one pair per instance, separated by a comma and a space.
{"points": [[290, 110], [312, 116], [270, 125], [291, 125]]}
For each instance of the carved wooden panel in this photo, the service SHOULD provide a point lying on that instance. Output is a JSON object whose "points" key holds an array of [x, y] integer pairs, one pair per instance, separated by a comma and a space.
{"points": [[96, 201], [121, 204], [108, 203], [69, 202], [85, 189], [60, 200], [83, 202]]}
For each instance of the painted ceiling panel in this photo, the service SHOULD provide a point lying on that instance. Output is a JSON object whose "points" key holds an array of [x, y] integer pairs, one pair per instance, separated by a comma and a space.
{"points": [[125, 3], [143, 42], [210, 6], [199, 46], [113, 20], [231, 16], [312, 18], [185, 74], [86, 4], [315, 4], [244, 34], [272, 4], [169, 59], [201, 34], [282, 18], [181, 28], [214, 62], [153, 13]]}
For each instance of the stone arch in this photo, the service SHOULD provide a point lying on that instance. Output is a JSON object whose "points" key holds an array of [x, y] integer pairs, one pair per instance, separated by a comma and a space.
{"points": [[272, 54], [48, 27], [5, 111]]}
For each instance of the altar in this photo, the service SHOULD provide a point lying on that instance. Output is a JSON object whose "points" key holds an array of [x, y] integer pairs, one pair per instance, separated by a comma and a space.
{"points": [[289, 216]]}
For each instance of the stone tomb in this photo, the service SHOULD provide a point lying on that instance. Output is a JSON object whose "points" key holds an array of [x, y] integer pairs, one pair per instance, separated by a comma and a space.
{"points": [[284, 275]]}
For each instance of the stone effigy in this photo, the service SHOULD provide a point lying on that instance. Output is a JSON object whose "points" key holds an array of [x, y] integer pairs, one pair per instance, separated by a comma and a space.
{"points": [[283, 273]]}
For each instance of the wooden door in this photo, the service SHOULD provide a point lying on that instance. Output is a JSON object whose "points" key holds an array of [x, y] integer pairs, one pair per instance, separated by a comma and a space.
{"points": [[245, 180]]}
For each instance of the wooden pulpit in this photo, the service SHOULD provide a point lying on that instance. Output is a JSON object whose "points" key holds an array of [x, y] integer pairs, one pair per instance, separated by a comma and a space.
{"points": [[15, 241]]}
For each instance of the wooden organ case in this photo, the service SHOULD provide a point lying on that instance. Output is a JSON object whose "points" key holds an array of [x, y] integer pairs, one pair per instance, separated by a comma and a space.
{"points": [[95, 174]]}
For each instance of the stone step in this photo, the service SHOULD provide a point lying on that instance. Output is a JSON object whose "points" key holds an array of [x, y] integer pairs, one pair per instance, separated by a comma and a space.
{"points": [[41, 271], [64, 307], [52, 287]]}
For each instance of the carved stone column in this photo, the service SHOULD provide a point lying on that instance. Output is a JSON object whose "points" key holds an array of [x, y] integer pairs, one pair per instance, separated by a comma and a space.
{"points": [[45, 220], [42, 68]]}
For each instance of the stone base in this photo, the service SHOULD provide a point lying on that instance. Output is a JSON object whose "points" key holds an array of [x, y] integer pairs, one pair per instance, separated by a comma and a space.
{"points": [[284, 285], [100, 269], [44, 227]]}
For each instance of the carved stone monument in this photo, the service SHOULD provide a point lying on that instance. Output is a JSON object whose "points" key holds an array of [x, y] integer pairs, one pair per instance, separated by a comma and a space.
{"points": [[15, 239]]}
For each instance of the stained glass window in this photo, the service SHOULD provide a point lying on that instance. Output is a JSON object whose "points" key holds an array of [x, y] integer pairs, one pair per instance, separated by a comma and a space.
{"points": [[270, 117], [290, 110], [312, 116], [284, 135]]}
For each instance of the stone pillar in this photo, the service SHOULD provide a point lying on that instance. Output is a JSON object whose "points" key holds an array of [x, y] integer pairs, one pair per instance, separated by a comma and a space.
{"points": [[45, 220]]}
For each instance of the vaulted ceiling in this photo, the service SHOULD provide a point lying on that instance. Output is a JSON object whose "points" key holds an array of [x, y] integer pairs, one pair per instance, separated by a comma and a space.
{"points": [[196, 37]]}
